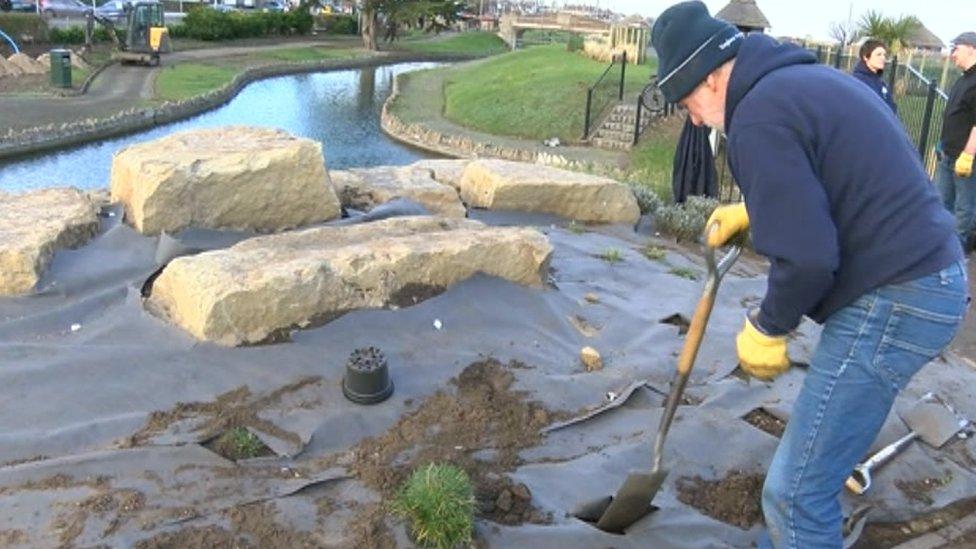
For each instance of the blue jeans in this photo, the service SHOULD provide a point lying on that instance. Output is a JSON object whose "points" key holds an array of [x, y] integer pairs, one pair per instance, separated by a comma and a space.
{"points": [[868, 351], [958, 196]]}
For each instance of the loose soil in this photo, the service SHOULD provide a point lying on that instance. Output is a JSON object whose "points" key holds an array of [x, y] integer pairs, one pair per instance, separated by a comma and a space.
{"points": [[764, 421], [890, 534], [919, 490], [232, 409], [735, 499], [480, 428]]}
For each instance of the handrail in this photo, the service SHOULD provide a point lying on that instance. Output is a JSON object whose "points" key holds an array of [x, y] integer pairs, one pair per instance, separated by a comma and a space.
{"points": [[11, 40]]}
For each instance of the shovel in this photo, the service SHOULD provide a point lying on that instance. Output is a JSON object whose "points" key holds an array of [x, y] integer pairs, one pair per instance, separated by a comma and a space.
{"points": [[633, 499], [929, 419]]}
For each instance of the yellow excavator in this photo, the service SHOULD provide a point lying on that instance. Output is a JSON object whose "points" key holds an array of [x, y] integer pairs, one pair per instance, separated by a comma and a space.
{"points": [[146, 35]]}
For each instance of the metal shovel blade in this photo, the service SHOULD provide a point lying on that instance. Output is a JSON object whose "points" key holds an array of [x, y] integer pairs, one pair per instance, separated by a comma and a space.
{"points": [[633, 500]]}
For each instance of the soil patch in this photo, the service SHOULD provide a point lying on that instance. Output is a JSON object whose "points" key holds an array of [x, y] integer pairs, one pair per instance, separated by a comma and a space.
{"points": [[414, 293], [735, 499], [920, 489], [480, 428], [237, 444], [764, 421], [233, 409], [890, 534]]}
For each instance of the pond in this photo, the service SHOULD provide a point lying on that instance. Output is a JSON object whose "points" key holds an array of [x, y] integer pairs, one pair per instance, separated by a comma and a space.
{"points": [[339, 108]]}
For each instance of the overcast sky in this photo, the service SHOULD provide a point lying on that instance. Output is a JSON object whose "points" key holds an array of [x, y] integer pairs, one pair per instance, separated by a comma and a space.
{"points": [[946, 18]]}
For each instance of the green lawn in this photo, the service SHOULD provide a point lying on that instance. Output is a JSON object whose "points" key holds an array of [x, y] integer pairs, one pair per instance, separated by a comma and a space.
{"points": [[468, 43], [534, 93], [176, 82], [315, 53]]}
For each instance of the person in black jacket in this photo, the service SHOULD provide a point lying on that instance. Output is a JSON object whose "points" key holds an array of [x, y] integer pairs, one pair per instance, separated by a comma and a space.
{"points": [[874, 55], [857, 239]]}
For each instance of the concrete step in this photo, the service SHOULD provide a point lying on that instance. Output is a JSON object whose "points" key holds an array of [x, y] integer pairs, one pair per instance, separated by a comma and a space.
{"points": [[610, 144], [623, 136]]}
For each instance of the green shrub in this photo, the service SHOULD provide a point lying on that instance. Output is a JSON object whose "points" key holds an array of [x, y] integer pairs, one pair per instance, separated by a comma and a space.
{"points": [[178, 30], [23, 26], [685, 222], [575, 43], [438, 502], [333, 23], [68, 35], [647, 200]]}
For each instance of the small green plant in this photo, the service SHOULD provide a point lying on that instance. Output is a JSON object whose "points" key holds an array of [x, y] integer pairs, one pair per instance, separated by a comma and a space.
{"points": [[438, 503], [246, 443], [684, 272], [685, 222], [647, 200], [576, 228], [612, 255], [654, 253]]}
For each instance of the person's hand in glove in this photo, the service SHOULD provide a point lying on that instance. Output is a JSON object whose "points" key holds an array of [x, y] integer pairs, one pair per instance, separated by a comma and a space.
{"points": [[732, 220], [964, 165], [761, 356]]}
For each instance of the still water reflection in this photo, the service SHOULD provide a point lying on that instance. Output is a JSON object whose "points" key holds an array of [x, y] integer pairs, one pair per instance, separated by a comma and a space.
{"points": [[341, 109]]}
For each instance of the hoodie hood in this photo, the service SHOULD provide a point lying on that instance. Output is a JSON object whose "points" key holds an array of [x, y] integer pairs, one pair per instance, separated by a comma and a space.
{"points": [[758, 56], [862, 68]]}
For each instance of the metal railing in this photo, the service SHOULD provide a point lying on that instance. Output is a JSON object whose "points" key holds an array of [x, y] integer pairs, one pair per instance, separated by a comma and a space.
{"points": [[606, 91]]}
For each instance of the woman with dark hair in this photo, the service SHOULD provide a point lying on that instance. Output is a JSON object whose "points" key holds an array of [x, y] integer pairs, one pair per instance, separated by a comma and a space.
{"points": [[874, 54]]}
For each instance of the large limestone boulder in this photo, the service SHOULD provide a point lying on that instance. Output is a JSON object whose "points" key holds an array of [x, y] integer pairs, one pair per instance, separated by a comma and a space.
{"points": [[447, 171], [35, 224], [45, 61], [235, 177], [260, 287], [507, 185], [26, 64], [364, 188]]}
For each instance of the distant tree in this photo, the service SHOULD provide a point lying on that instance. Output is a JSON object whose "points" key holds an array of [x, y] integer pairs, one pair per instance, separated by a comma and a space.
{"points": [[845, 32], [429, 15], [895, 32]]}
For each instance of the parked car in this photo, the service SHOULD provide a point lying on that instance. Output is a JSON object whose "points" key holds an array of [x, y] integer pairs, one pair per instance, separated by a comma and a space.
{"points": [[113, 10], [273, 5], [60, 8], [18, 5]]}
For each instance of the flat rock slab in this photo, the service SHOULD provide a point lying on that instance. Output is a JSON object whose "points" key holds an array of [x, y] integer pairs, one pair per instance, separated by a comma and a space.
{"points": [[9, 69], [365, 188], [33, 225], [447, 171], [518, 186], [257, 289], [237, 178], [26, 64]]}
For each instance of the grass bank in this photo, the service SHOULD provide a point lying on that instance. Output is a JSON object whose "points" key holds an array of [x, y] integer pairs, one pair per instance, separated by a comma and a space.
{"points": [[468, 43], [535, 93]]}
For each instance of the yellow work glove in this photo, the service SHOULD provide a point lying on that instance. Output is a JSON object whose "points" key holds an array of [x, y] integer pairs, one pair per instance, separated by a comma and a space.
{"points": [[964, 165], [731, 220], [760, 355]]}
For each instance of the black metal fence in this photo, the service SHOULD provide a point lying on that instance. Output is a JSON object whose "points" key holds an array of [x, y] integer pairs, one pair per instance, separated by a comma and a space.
{"points": [[605, 92]]}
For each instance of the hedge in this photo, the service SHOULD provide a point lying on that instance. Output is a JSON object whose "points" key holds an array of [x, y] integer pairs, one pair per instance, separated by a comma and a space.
{"points": [[210, 24], [76, 35], [19, 25], [338, 24]]}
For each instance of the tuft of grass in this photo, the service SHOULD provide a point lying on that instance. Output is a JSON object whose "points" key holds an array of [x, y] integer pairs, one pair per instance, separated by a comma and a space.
{"points": [[684, 272], [438, 503], [654, 253], [612, 255]]}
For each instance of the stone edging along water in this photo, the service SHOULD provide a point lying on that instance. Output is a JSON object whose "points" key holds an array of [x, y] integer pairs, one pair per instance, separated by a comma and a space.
{"points": [[52, 136], [460, 146]]}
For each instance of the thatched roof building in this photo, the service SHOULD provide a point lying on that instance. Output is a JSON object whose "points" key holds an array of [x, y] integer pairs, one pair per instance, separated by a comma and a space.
{"points": [[924, 39], [745, 15]]}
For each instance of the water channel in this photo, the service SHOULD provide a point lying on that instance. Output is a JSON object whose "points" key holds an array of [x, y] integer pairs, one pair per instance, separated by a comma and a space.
{"points": [[340, 108]]}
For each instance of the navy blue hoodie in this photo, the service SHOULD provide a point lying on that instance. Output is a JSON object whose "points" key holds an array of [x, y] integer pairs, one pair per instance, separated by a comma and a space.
{"points": [[837, 197], [873, 79]]}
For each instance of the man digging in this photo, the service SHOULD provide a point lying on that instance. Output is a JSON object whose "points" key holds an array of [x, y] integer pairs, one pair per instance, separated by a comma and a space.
{"points": [[856, 237]]}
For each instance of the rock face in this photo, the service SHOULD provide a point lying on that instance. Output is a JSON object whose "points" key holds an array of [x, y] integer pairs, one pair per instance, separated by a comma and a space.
{"points": [[9, 69], [254, 290], [32, 226], [448, 172], [363, 189], [26, 64], [224, 178], [506, 185], [45, 61]]}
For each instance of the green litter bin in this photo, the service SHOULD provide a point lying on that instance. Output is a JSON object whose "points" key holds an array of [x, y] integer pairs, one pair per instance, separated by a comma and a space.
{"points": [[60, 68]]}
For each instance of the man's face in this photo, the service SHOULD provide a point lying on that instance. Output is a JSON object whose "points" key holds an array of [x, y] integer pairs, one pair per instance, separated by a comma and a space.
{"points": [[963, 56], [706, 104]]}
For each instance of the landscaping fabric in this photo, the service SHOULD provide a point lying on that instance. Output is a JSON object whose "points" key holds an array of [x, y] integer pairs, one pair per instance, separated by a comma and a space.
{"points": [[108, 412]]}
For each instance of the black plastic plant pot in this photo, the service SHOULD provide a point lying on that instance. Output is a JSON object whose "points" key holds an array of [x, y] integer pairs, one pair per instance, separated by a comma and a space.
{"points": [[367, 379]]}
